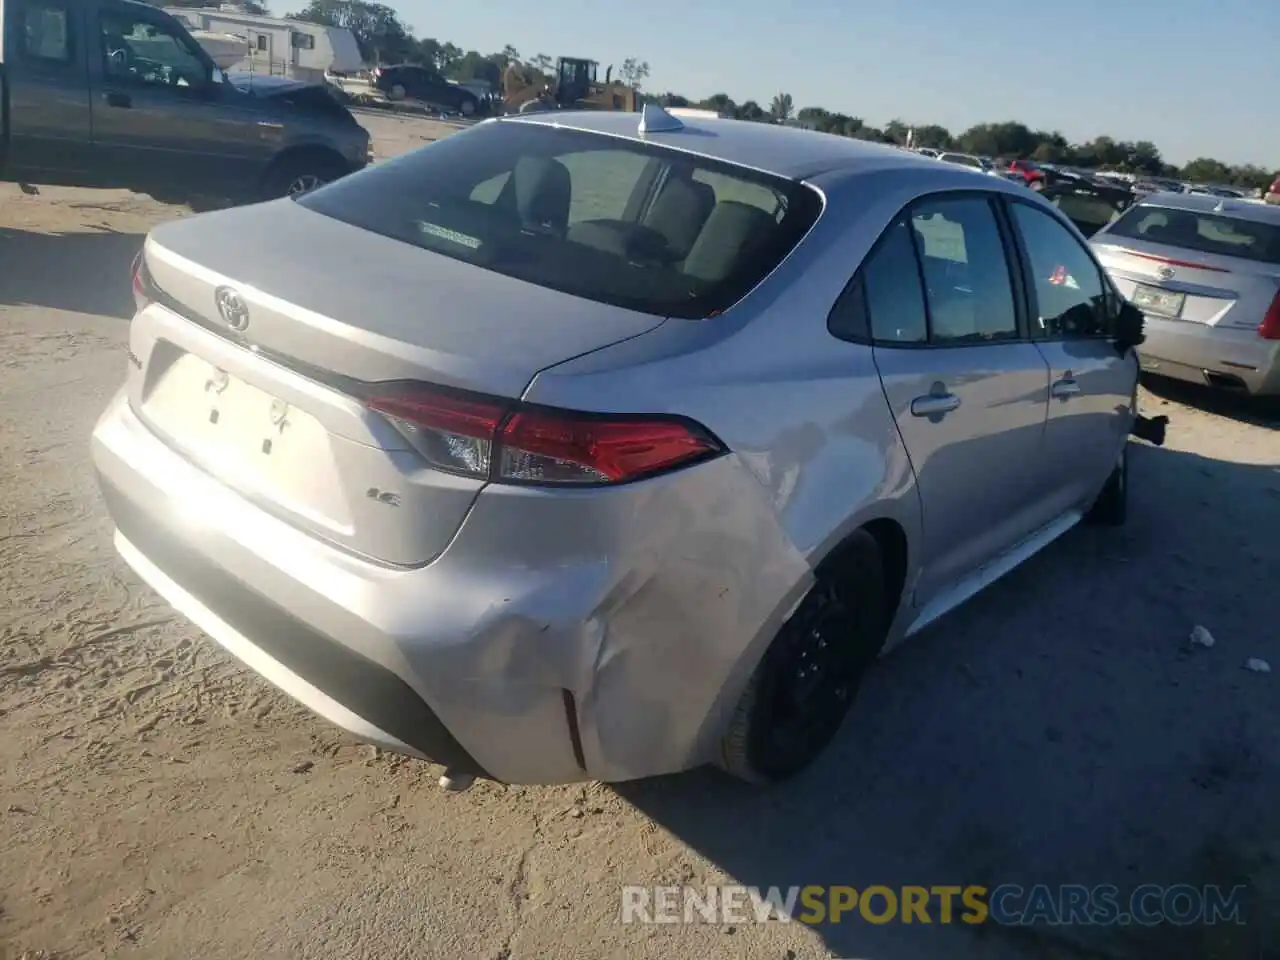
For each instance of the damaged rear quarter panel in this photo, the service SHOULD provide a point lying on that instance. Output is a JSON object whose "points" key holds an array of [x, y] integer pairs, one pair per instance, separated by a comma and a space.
{"points": [[638, 599], [814, 454]]}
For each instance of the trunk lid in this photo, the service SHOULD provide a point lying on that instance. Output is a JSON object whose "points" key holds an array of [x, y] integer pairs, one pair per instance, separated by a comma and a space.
{"points": [[325, 308], [1205, 288]]}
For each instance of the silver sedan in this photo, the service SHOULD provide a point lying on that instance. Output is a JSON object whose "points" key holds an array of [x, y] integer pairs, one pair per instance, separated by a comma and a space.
{"points": [[605, 445], [1206, 271]]}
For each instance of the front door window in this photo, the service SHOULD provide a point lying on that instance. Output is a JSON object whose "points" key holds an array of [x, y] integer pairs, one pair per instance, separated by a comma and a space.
{"points": [[138, 50]]}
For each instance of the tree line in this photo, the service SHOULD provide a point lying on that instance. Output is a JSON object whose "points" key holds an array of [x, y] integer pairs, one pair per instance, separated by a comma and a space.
{"points": [[383, 38]]}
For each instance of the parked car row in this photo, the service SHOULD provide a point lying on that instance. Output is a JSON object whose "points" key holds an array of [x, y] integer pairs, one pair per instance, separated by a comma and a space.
{"points": [[1040, 175]]}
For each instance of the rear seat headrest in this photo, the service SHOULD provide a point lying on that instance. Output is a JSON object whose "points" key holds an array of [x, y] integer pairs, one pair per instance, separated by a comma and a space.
{"points": [[543, 190], [731, 232]]}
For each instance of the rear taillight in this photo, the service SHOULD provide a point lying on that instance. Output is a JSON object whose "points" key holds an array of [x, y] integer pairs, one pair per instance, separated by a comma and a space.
{"points": [[509, 442], [143, 292], [453, 433], [1269, 328]]}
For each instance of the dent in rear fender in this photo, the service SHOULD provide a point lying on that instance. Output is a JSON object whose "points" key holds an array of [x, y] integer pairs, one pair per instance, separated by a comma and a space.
{"points": [[642, 600], [675, 651]]}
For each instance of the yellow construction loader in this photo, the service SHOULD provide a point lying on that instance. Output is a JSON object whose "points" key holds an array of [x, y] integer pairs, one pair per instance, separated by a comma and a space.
{"points": [[575, 86]]}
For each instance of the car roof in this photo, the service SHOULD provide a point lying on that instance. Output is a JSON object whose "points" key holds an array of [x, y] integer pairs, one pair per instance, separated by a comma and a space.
{"points": [[1241, 209], [791, 152]]}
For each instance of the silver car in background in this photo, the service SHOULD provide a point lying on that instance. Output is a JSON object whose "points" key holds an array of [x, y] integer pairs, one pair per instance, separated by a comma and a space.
{"points": [[1206, 272], [979, 164], [604, 445]]}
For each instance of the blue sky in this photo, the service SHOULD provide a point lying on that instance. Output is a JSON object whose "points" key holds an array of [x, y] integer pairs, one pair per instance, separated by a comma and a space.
{"points": [[1195, 77]]}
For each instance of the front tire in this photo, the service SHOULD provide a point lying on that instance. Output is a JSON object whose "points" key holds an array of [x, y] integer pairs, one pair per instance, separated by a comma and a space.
{"points": [[799, 694], [1111, 509], [294, 176]]}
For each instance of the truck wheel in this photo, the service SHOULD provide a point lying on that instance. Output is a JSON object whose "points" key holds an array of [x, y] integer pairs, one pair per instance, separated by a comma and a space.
{"points": [[294, 176], [468, 107], [796, 700], [397, 92]]}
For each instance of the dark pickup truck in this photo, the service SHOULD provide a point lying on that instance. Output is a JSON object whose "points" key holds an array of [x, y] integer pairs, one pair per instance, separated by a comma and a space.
{"points": [[117, 93]]}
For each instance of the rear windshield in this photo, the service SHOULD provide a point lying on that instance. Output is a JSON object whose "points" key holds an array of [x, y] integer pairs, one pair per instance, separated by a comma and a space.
{"points": [[604, 218], [1212, 233]]}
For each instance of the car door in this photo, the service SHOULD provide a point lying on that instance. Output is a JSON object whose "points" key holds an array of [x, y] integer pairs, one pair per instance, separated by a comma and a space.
{"points": [[49, 110], [967, 390], [1092, 386], [159, 112]]}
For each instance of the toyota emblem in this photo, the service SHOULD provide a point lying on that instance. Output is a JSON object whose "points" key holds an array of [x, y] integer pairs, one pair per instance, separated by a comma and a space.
{"points": [[231, 308], [1165, 273]]}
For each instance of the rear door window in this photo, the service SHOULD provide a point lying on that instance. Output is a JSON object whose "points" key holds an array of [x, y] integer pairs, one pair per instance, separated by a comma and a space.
{"points": [[895, 299], [1210, 233], [45, 34], [968, 286], [574, 211]]}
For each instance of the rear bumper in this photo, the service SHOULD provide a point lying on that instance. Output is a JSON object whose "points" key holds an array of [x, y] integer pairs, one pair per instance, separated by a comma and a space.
{"points": [[1215, 356], [557, 638], [341, 685]]}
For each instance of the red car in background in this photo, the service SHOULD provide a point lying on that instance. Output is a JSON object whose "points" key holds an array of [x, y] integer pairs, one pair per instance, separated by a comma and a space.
{"points": [[1029, 172], [1273, 195]]}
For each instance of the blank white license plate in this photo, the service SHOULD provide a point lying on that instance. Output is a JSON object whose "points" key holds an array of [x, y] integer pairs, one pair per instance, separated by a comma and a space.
{"points": [[1161, 303], [234, 427]]}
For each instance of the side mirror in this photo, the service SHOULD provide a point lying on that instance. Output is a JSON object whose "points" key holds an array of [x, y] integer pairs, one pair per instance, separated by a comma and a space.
{"points": [[1128, 328], [216, 77]]}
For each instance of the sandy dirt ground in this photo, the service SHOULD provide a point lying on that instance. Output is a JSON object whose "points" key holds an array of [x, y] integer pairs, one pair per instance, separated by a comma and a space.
{"points": [[158, 800]]}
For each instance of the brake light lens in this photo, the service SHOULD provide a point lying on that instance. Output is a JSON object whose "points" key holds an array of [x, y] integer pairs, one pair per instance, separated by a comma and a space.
{"points": [[1173, 262], [509, 442], [453, 433], [143, 292], [554, 447], [1269, 329]]}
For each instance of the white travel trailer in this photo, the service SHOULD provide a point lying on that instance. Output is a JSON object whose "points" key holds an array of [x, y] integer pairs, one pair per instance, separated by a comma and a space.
{"points": [[287, 48], [226, 49]]}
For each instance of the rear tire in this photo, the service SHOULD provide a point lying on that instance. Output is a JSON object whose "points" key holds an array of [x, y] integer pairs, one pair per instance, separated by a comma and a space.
{"points": [[1111, 509], [798, 696], [397, 92], [468, 107]]}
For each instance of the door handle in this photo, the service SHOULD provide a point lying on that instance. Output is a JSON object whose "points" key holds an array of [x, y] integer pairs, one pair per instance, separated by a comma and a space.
{"points": [[1066, 387], [114, 99], [934, 404]]}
